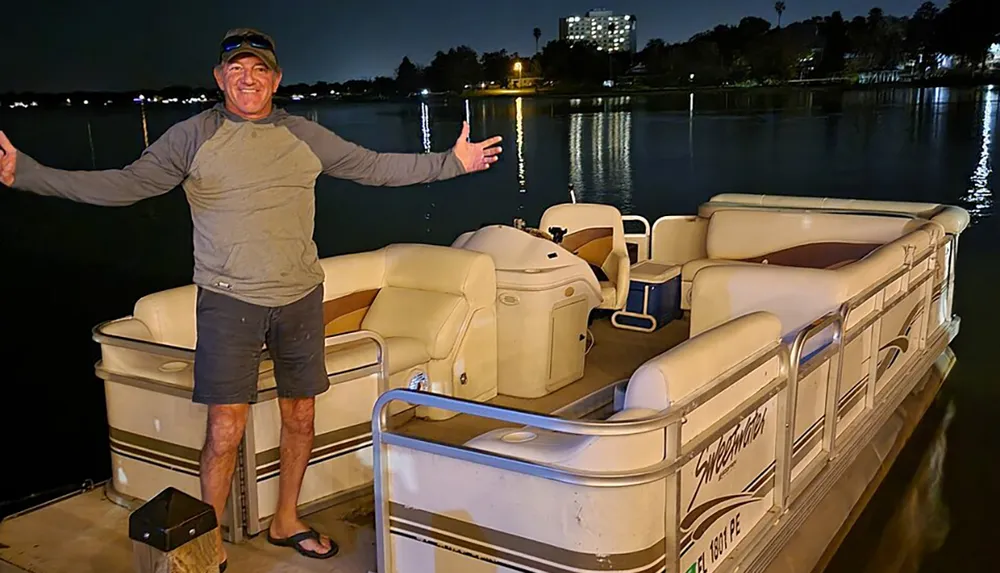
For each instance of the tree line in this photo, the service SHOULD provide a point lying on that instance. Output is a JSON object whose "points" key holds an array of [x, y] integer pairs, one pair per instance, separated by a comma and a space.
{"points": [[754, 51]]}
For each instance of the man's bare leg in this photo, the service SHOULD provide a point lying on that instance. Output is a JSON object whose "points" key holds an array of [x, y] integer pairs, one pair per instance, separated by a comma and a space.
{"points": [[218, 457], [297, 430]]}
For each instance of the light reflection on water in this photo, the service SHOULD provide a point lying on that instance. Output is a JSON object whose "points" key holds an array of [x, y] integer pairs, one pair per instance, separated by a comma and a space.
{"points": [[921, 520], [519, 127], [979, 200], [602, 171], [425, 126]]}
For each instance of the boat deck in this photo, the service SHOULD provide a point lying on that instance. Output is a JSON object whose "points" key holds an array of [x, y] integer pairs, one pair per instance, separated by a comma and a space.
{"points": [[87, 533]]}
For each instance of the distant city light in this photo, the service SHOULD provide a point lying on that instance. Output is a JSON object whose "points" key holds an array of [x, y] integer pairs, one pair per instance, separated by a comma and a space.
{"points": [[86, 102]]}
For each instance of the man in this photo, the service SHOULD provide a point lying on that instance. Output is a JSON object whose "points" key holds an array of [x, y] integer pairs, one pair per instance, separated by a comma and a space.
{"points": [[249, 170]]}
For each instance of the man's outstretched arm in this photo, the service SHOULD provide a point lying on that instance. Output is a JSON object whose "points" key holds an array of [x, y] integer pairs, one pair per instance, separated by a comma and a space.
{"points": [[160, 168], [346, 160]]}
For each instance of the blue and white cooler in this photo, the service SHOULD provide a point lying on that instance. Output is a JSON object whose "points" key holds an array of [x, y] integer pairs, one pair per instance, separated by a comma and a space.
{"points": [[653, 297]]}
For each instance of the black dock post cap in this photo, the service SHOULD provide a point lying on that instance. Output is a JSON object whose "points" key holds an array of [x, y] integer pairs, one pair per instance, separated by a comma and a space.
{"points": [[170, 520]]}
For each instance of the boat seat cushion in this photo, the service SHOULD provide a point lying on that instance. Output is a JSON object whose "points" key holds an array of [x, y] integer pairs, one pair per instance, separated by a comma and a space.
{"points": [[608, 293], [404, 353], [433, 318]]}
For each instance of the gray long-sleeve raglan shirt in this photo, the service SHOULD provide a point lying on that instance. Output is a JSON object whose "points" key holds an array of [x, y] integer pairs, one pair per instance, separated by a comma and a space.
{"points": [[251, 188]]}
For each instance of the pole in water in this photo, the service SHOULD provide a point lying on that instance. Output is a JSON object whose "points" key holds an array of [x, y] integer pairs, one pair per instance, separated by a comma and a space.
{"points": [[468, 117], [90, 138], [145, 132]]}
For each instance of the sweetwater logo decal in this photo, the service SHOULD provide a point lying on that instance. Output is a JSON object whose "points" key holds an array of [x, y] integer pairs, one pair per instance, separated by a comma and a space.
{"points": [[716, 461], [713, 526]]}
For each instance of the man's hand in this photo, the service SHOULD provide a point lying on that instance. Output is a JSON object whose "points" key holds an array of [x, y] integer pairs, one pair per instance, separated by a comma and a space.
{"points": [[475, 156], [8, 161]]}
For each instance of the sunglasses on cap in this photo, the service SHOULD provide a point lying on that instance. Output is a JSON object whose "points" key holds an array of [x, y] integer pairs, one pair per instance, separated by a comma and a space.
{"points": [[253, 40]]}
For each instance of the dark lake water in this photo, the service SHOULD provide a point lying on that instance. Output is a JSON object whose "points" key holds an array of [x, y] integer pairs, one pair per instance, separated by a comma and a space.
{"points": [[67, 267]]}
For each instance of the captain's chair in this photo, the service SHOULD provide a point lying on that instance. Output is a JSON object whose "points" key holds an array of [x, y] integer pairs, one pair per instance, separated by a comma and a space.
{"points": [[596, 234]]}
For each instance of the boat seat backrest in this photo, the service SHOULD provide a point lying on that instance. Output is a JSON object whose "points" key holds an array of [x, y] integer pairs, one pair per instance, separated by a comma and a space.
{"points": [[804, 239], [671, 376], [797, 296], [861, 275], [596, 234], [652, 389], [422, 292], [468, 274], [413, 290], [811, 239], [170, 316], [593, 231]]}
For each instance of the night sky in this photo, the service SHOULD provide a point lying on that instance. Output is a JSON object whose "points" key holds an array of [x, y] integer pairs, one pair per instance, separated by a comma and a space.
{"points": [[67, 45]]}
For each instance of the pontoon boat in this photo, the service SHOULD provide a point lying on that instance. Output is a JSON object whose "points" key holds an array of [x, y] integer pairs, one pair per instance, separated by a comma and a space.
{"points": [[713, 392]]}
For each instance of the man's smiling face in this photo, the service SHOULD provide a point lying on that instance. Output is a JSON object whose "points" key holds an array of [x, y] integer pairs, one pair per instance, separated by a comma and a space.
{"points": [[249, 85]]}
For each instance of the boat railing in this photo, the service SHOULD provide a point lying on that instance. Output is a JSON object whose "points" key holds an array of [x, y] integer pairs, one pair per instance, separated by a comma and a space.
{"points": [[380, 367], [640, 240], [789, 374]]}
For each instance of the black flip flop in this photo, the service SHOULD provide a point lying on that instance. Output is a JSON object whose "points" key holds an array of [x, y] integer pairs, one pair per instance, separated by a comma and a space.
{"points": [[295, 542]]}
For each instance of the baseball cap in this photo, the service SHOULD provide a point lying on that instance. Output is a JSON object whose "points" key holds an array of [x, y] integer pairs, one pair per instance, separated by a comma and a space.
{"points": [[248, 41]]}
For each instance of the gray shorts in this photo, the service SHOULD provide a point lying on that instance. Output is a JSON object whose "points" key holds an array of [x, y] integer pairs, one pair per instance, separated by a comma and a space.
{"points": [[231, 334]]}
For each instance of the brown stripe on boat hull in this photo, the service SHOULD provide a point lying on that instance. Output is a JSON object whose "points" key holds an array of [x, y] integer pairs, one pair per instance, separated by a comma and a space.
{"points": [[345, 314], [496, 545], [825, 255], [144, 457], [133, 440], [320, 455], [323, 444]]}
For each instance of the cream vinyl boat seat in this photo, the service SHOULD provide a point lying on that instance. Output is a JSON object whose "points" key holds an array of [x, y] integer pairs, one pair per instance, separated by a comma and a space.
{"points": [[817, 240], [595, 233], [434, 308]]}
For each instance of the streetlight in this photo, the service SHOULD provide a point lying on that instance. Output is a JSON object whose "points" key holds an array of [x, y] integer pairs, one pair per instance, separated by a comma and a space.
{"points": [[517, 68]]}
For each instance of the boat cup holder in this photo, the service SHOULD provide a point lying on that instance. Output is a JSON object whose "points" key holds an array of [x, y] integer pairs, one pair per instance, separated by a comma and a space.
{"points": [[519, 437], [173, 366]]}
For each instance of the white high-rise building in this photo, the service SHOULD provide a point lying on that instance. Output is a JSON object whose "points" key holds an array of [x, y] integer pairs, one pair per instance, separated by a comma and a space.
{"points": [[993, 57], [609, 31]]}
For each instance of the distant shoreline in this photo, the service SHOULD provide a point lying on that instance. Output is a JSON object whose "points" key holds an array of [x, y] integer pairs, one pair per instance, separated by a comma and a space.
{"points": [[50, 101], [810, 84]]}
